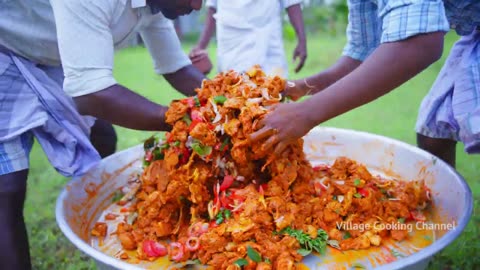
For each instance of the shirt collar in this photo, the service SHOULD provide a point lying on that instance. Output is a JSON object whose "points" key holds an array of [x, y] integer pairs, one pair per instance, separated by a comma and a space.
{"points": [[139, 3]]}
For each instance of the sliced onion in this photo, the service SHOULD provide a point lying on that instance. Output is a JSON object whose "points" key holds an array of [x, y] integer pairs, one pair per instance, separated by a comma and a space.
{"points": [[240, 178], [179, 254], [280, 219], [237, 207], [218, 116], [429, 197], [393, 199], [189, 142], [193, 243], [255, 100], [340, 198], [340, 182], [322, 182]]}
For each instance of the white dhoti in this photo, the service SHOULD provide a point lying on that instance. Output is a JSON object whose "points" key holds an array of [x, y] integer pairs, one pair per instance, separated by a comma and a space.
{"points": [[249, 32]]}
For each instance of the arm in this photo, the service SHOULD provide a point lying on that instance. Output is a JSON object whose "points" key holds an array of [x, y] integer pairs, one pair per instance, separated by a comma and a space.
{"points": [[296, 19], [393, 63], [185, 80], [207, 31], [86, 49], [388, 67], [120, 106]]}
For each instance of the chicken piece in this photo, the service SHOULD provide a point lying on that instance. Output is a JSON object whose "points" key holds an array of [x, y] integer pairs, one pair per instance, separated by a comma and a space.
{"points": [[175, 112], [204, 134], [234, 103], [127, 240], [100, 229], [232, 127]]}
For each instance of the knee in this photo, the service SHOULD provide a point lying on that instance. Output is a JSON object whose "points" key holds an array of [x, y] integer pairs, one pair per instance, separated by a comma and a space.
{"points": [[103, 138]]}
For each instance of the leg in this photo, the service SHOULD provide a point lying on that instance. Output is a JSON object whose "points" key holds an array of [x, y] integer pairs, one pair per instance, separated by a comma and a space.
{"points": [[103, 138], [14, 249], [442, 148]]}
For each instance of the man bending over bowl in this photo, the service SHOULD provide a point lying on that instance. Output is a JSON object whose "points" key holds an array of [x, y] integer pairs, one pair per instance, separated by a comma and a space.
{"points": [[389, 42], [34, 36]]}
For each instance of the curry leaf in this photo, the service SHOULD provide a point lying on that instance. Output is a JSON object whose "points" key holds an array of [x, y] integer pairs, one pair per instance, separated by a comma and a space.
{"points": [[304, 252], [220, 99], [253, 254], [241, 262]]}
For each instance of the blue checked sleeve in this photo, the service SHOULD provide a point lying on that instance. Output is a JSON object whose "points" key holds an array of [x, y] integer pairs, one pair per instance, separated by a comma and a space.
{"points": [[363, 30], [402, 19]]}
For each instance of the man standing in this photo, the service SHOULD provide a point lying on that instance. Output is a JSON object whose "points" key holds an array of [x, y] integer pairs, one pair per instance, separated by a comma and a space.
{"points": [[249, 32], [34, 36]]}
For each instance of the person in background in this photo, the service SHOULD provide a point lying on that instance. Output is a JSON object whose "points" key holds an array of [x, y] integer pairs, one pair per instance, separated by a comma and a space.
{"points": [[37, 39], [389, 42], [250, 32]]}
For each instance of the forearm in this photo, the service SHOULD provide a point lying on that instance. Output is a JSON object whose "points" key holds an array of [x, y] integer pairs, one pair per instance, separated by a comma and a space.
{"points": [[389, 66], [296, 19], [209, 29], [324, 79], [120, 106], [186, 80]]}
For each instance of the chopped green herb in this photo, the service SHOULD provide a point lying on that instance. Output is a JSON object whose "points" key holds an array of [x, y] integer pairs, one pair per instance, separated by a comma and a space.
{"points": [[428, 237], [149, 143], [335, 197], [227, 213], [220, 99], [356, 182], [268, 261], [241, 262], [197, 101], [253, 254], [357, 195], [358, 266], [197, 261], [401, 220], [317, 244], [117, 196], [131, 218], [202, 150], [347, 235], [219, 220], [176, 143]]}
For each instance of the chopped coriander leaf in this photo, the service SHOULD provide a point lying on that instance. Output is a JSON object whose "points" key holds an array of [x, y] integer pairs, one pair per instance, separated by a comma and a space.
{"points": [[304, 252], [401, 220], [202, 150], [176, 143], [357, 195], [227, 214], [356, 182], [346, 235], [220, 99]]}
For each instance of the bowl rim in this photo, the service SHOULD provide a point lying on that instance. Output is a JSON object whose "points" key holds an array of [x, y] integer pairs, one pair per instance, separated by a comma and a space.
{"points": [[415, 258]]}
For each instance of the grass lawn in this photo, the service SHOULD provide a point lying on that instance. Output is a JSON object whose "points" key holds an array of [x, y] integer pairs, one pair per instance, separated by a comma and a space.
{"points": [[393, 115]]}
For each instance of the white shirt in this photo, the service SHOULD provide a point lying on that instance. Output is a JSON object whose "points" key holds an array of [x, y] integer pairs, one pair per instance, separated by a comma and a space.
{"points": [[87, 32]]}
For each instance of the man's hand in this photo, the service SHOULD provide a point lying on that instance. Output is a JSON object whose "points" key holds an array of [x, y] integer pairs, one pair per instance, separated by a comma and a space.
{"points": [[277, 127], [296, 89], [300, 53], [185, 80]]}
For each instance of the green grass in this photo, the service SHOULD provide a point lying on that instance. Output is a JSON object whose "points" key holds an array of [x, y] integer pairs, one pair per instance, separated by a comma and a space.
{"points": [[393, 115]]}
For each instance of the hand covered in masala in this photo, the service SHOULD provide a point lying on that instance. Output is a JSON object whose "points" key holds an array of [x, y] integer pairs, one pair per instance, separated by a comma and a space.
{"points": [[296, 89], [286, 123]]}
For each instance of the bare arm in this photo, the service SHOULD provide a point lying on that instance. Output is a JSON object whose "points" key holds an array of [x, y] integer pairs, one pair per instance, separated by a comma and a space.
{"points": [[318, 82], [120, 106], [207, 31], [185, 80], [389, 66], [296, 19]]}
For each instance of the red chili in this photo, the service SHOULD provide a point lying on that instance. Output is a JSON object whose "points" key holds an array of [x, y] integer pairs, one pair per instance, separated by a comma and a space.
{"points": [[227, 182], [362, 191], [176, 251], [185, 155], [321, 168], [193, 243], [188, 101], [148, 156]]}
